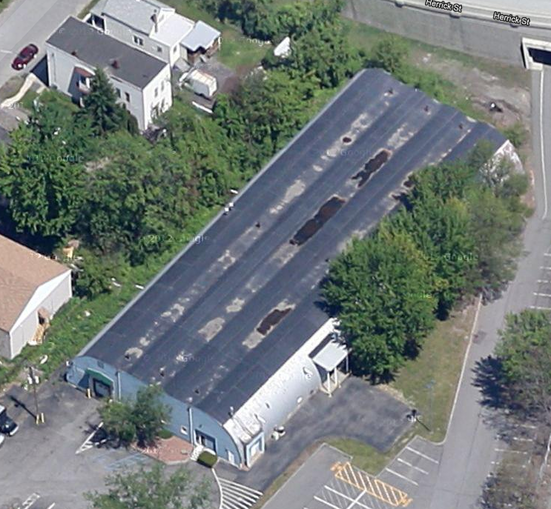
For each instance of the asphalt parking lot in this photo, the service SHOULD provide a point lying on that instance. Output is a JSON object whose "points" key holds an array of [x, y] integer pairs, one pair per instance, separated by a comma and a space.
{"points": [[357, 410], [328, 480], [52, 465]]}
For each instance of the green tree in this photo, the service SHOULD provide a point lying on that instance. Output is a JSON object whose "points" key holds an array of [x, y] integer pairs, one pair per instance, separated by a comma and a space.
{"points": [[524, 350], [149, 414], [381, 290], [118, 421], [41, 173], [141, 419], [495, 229], [151, 489], [101, 105]]}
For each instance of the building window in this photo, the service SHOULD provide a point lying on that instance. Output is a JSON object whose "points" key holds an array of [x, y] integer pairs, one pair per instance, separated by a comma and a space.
{"points": [[127, 97], [174, 49], [118, 92], [101, 365], [183, 430], [156, 92], [162, 86], [138, 40], [159, 49]]}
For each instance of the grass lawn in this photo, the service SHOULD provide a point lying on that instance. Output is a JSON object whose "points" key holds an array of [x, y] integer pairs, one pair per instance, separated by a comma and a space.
{"points": [[427, 383]]}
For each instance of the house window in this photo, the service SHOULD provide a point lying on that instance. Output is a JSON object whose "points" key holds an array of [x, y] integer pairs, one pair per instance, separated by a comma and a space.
{"points": [[162, 86], [127, 97], [101, 365], [156, 92], [183, 430], [138, 40], [174, 49], [159, 49], [118, 92]]}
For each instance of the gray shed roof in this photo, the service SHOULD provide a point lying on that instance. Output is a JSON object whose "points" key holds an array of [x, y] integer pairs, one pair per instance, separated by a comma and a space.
{"points": [[137, 14], [202, 36], [98, 50]]}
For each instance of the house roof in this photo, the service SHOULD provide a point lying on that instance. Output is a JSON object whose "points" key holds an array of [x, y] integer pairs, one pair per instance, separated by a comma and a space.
{"points": [[22, 271], [138, 14], [202, 36], [243, 297], [98, 50], [173, 30]]}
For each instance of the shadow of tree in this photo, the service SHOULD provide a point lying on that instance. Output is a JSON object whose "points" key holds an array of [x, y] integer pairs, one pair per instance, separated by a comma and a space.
{"points": [[488, 378]]}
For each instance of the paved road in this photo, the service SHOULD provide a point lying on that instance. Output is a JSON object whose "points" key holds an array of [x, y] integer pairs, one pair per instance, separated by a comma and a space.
{"points": [[472, 446], [26, 21]]}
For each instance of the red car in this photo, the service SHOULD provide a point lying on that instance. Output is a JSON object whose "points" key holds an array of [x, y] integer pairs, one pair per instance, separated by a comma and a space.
{"points": [[24, 57]]}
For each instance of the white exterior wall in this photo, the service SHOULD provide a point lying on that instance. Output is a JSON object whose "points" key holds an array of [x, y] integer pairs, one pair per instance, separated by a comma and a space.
{"points": [[61, 75], [282, 394], [126, 34], [162, 84], [50, 296]]}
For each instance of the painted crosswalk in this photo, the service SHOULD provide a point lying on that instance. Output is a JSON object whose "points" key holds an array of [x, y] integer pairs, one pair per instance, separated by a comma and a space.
{"points": [[236, 496]]}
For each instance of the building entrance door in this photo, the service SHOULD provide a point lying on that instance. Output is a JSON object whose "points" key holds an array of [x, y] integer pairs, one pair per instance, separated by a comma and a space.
{"points": [[205, 440]]}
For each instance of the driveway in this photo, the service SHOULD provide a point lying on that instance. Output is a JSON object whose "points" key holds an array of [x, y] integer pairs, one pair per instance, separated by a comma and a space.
{"points": [[29, 21], [357, 410]]}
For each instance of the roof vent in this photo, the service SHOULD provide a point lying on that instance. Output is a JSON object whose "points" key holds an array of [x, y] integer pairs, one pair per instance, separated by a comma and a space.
{"points": [[116, 64], [74, 53]]}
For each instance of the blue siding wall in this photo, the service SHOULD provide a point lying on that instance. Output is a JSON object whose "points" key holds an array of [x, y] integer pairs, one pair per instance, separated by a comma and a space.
{"points": [[126, 386]]}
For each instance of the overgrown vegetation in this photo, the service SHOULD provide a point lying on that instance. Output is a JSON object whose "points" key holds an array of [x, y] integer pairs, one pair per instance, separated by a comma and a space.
{"points": [[456, 235], [154, 488], [85, 174]]}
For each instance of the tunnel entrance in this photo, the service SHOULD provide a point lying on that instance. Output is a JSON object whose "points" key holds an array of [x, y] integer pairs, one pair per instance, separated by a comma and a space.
{"points": [[536, 53]]}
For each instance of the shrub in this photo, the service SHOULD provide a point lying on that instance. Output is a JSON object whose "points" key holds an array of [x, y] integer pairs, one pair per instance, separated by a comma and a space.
{"points": [[207, 459]]}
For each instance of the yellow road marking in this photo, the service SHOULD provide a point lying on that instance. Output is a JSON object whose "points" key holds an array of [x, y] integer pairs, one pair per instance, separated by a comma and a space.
{"points": [[372, 486]]}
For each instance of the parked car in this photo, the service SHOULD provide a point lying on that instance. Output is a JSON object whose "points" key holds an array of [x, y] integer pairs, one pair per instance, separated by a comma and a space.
{"points": [[24, 57], [7, 425]]}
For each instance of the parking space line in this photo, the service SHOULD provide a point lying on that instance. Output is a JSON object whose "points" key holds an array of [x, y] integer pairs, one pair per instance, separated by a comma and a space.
{"points": [[422, 455], [547, 295], [543, 281], [325, 502], [512, 451], [401, 476], [354, 501], [540, 307], [413, 466]]}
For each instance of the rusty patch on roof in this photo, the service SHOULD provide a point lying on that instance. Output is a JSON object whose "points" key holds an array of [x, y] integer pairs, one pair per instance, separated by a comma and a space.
{"points": [[312, 226], [371, 167]]}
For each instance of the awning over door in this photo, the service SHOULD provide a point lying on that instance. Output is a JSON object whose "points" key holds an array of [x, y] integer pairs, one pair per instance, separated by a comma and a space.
{"points": [[100, 376], [331, 355]]}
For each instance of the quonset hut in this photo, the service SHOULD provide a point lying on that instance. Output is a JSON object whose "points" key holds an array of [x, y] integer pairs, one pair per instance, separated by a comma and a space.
{"points": [[233, 328]]}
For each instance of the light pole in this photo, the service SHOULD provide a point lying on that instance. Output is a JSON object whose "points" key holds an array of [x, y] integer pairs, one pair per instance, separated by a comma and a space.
{"points": [[33, 379]]}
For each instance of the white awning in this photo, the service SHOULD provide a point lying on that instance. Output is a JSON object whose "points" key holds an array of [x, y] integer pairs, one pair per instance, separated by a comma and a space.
{"points": [[331, 355]]}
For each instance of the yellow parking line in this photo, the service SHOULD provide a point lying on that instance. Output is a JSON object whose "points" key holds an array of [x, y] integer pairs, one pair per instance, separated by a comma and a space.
{"points": [[374, 487]]}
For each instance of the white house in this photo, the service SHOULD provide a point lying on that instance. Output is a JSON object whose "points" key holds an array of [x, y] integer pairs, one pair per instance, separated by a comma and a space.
{"points": [[141, 81], [155, 28], [32, 289]]}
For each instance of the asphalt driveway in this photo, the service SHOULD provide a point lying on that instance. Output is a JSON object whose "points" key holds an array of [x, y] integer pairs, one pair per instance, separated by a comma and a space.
{"points": [[357, 410]]}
